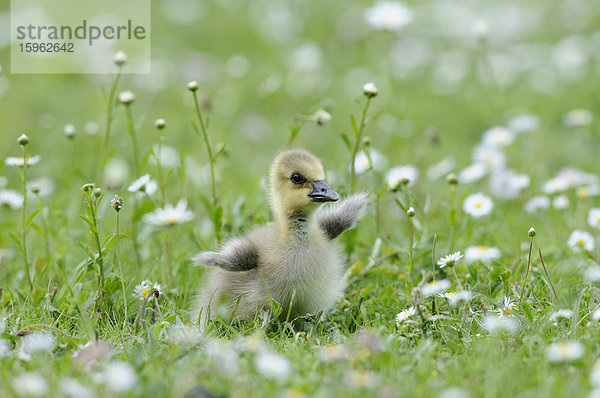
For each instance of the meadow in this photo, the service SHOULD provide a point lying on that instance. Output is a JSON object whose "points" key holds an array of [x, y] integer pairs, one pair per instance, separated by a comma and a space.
{"points": [[474, 127]]}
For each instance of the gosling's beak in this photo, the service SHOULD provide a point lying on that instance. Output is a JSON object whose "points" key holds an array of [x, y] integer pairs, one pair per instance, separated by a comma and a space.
{"points": [[323, 192]]}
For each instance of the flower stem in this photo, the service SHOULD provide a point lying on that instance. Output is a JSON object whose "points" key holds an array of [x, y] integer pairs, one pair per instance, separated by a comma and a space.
{"points": [[121, 271], [528, 269], [110, 104], [131, 130], [358, 138], [24, 221]]}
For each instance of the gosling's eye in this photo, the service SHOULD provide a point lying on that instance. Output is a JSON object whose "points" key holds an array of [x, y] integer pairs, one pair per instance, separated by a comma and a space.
{"points": [[297, 178]]}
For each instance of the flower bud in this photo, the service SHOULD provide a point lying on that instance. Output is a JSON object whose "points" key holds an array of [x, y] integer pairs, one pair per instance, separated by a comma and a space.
{"points": [[23, 140], [69, 131], [410, 212], [160, 124], [97, 192], [452, 179], [192, 86], [532, 232], [120, 58], [117, 203], [321, 117], [370, 90], [126, 97], [87, 187], [35, 189]]}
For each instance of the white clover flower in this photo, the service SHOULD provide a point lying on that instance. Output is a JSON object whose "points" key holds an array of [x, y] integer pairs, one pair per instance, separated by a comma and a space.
{"points": [[272, 365], [594, 218], [537, 203], [578, 118], [581, 240], [565, 351], [435, 287], [561, 314], [361, 379], [498, 137], [30, 384], [74, 389], [126, 97], [38, 342], [375, 159], [478, 205], [10, 198], [560, 202], [43, 185], [592, 274], [399, 174], [441, 169], [524, 123], [120, 377], [388, 15], [20, 162], [450, 260], [472, 173], [492, 158], [170, 215], [481, 253], [508, 307], [508, 184], [405, 314], [496, 324]]}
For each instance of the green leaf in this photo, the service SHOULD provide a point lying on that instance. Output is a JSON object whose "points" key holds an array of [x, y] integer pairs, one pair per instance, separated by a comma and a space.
{"points": [[17, 240], [90, 224], [31, 217], [346, 141], [354, 125]]}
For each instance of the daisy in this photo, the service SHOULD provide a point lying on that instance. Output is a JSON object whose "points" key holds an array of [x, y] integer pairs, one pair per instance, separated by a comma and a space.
{"points": [[524, 123], [401, 174], [388, 15], [272, 365], [494, 324], [361, 379], [456, 298], [120, 376], [20, 162], [498, 137], [481, 253], [581, 240], [472, 173], [565, 351], [126, 97], [43, 185], [588, 191], [592, 274], [170, 215], [374, 160], [492, 158], [450, 260], [74, 389], [38, 342], [561, 202], [508, 307], [561, 314], [508, 184], [167, 155], [146, 288], [333, 352], [578, 118], [11, 198], [140, 184], [537, 203], [30, 384], [405, 314], [435, 287], [441, 169], [478, 205], [594, 218]]}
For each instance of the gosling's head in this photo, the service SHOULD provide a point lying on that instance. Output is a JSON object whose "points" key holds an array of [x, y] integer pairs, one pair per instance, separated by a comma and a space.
{"points": [[298, 183]]}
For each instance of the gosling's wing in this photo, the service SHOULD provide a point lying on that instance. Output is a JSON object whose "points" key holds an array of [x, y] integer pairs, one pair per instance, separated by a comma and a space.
{"points": [[239, 254], [342, 216]]}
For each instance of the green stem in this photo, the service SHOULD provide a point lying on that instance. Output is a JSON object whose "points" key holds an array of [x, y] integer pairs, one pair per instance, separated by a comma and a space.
{"points": [[208, 149], [121, 271], [109, 119], [131, 130], [24, 221], [98, 245], [528, 269], [160, 176], [358, 137]]}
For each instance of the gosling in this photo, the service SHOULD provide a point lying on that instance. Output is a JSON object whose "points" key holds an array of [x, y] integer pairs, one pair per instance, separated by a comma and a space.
{"points": [[294, 260]]}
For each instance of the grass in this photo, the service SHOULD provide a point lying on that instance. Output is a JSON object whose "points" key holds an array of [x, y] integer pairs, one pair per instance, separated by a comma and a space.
{"points": [[224, 137]]}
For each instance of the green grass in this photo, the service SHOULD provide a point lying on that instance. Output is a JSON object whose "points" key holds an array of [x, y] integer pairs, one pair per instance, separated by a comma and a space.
{"points": [[410, 122]]}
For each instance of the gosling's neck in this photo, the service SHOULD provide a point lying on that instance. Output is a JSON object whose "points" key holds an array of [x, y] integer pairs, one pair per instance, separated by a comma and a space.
{"points": [[294, 224]]}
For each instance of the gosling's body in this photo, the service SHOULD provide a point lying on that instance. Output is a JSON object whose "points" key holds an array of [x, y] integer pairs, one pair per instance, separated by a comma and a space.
{"points": [[295, 260]]}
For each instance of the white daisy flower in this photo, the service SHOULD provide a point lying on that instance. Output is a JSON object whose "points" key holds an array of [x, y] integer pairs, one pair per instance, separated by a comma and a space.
{"points": [[272, 365], [595, 374], [592, 274], [4, 348], [455, 298], [139, 184], [399, 174], [594, 218], [116, 173], [450, 260], [596, 315], [555, 185], [333, 352], [498, 137], [508, 307], [405, 314], [43, 185], [38, 342], [169, 156], [578, 118], [560, 202], [441, 169], [588, 191], [146, 288], [561, 314], [126, 97], [170, 215], [472, 173], [435, 287], [10, 198], [537, 203], [30, 384], [524, 123], [496, 324], [120, 377], [69, 130], [374, 160], [74, 389], [478, 205], [581, 240], [508, 184], [20, 162], [361, 378], [481, 253], [388, 15], [565, 351], [491, 158], [5, 254]]}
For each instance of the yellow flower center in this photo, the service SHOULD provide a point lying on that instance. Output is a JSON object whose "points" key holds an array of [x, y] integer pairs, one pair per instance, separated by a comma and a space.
{"points": [[507, 311], [145, 292], [598, 219], [482, 247], [580, 242], [478, 205], [582, 193]]}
